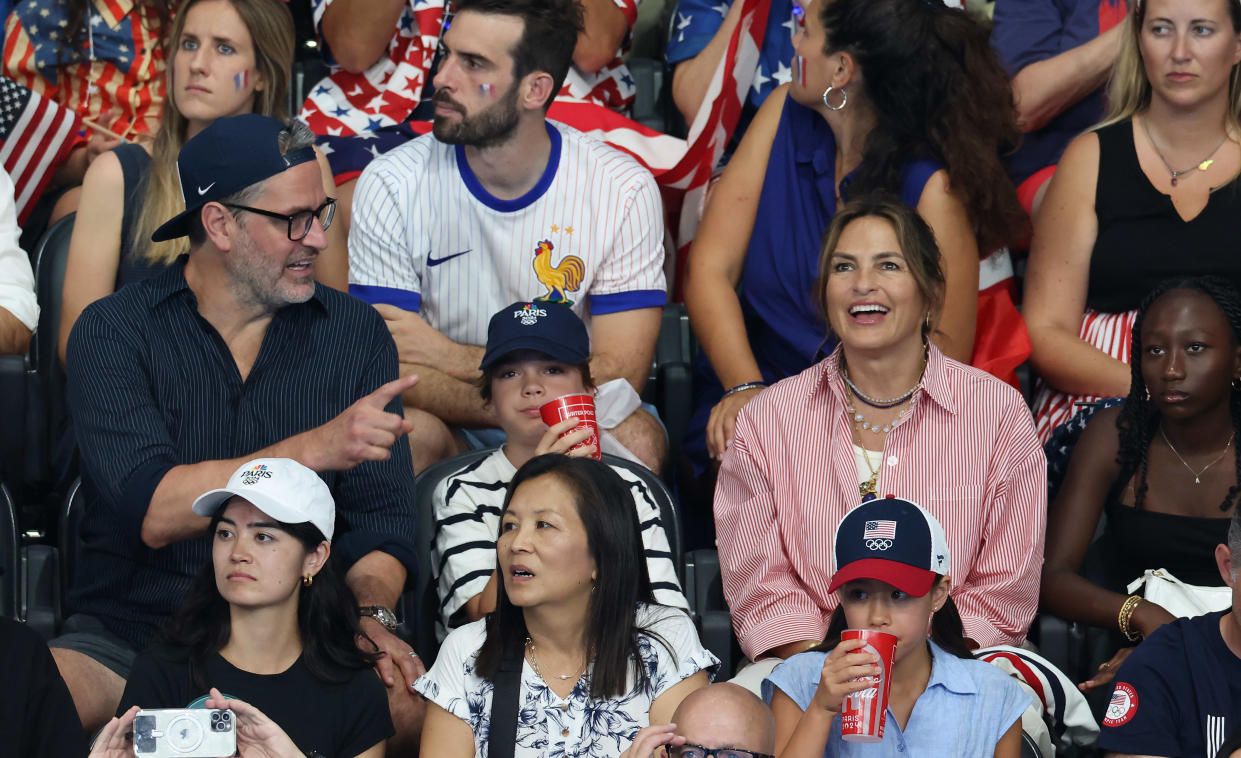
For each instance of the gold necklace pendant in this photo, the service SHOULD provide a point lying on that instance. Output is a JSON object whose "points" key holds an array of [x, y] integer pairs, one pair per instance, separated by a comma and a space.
{"points": [[868, 487]]}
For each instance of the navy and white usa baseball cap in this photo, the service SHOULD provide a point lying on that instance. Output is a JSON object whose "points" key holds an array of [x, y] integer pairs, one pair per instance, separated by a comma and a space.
{"points": [[893, 540]]}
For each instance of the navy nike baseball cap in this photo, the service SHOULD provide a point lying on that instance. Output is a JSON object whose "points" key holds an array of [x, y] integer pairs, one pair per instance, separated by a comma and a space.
{"points": [[226, 157], [893, 540], [550, 328]]}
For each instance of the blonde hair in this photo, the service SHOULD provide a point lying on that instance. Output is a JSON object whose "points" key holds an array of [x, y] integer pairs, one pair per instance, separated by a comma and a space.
{"points": [[1128, 89], [271, 32]]}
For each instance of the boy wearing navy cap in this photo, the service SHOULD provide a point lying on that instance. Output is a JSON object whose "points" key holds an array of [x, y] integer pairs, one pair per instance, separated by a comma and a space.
{"points": [[535, 353], [231, 353]]}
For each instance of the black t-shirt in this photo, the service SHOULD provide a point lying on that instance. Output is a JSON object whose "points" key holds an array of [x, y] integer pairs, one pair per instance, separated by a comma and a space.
{"points": [[37, 717], [337, 720], [1177, 694]]}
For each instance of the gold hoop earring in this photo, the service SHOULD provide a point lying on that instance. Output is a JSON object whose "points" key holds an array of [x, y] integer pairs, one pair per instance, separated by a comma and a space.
{"points": [[308, 580]]}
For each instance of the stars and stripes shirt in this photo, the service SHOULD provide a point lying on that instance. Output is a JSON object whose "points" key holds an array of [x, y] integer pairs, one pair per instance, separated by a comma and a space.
{"points": [[346, 104], [116, 80], [967, 452], [467, 524], [428, 237]]}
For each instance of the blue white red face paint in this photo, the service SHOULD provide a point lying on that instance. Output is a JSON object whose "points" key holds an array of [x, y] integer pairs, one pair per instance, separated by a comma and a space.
{"points": [[487, 90], [241, 80]]}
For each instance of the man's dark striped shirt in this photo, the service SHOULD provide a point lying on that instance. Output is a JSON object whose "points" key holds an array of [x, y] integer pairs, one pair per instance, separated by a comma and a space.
{"points": [[152, 385]]}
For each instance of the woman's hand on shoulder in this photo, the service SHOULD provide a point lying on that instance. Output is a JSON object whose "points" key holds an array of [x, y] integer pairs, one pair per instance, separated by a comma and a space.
{"points": [[723, 421], [844, 672]]}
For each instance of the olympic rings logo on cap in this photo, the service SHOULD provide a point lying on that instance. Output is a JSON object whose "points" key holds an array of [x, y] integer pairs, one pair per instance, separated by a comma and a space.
{"points": [[878, 544]]}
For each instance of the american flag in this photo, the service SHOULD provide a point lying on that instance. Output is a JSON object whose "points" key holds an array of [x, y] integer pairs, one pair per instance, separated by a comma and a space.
{"points": [[1119, 698], [879, 530], [35, 135]]}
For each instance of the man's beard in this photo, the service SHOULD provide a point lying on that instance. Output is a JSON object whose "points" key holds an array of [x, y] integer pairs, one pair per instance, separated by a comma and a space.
{"points": [[491, 126]]}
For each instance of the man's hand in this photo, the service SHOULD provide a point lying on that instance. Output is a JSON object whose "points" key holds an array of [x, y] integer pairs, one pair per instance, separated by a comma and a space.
{"points": [[396, 659], [651, 737], [418, 342], [362, 432]]}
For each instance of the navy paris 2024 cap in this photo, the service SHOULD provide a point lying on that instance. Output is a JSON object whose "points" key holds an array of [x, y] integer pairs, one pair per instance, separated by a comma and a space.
{"points": [[893, 540], [226, 157], [549, 328]]}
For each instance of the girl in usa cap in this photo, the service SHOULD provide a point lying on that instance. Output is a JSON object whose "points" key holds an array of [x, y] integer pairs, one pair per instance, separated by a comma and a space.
{"points": [[891, 574]]}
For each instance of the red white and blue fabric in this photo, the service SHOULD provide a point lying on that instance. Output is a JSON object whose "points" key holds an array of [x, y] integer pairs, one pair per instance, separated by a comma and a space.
{"points": [[35, 135], [1110, 332], [1063, 707], [348, 104], [116, 79]]}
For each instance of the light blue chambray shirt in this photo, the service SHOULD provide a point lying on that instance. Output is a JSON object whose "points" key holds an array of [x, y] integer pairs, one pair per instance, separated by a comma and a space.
{"points": [[966, 708]]}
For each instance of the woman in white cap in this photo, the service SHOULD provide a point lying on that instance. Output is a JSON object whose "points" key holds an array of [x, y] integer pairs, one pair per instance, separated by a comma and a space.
{"points": [[269, 620]]}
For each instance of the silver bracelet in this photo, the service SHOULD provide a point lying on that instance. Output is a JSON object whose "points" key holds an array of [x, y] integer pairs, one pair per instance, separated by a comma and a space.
{"points": [[743, 388]]}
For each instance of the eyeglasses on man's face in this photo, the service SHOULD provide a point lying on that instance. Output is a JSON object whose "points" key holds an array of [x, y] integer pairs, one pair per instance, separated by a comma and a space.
{"points": [[300, 222], [698, 751]]}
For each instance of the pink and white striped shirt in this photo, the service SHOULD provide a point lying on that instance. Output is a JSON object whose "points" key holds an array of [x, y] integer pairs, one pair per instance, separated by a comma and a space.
{"points": [[967, 453]]}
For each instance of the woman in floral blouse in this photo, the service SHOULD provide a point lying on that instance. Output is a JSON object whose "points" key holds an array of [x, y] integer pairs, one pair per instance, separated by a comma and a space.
{"points": [[600, 660]]}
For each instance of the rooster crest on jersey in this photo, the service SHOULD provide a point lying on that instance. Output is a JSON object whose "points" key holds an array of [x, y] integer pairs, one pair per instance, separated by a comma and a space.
{"points": [[529, 315], [560, 279]]}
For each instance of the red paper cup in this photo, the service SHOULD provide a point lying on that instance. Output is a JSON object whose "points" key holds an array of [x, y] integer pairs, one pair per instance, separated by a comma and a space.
{"points": [[864, 712], [574, 406]]}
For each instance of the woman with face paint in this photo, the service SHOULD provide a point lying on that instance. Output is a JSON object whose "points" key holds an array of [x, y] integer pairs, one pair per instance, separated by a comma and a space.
{"points": [[905, 96], [1153, 192], [227, 57]]}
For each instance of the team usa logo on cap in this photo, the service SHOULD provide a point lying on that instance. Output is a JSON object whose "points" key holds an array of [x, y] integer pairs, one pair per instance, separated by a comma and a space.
{"points": [[529, 314], [255, 474], [879, 535]]}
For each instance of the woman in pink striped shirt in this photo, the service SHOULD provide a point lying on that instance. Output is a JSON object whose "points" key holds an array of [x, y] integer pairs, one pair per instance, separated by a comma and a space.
{"points": [[886, 412]]}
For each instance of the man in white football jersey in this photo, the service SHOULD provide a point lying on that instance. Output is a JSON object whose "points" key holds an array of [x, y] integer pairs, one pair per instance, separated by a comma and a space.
{"points": [[497, 205]]}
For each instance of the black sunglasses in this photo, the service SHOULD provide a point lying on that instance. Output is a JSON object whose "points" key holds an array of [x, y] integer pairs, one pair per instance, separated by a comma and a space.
{"points": [[300, 222], [698, 751]]}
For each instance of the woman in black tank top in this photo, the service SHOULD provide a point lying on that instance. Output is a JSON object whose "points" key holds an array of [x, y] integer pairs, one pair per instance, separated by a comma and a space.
{"points": [[1152, 193], [1164, 467]]}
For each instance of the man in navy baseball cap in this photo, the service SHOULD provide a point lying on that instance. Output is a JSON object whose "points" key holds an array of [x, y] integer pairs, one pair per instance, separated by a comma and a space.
{"points": [[232, 353]]}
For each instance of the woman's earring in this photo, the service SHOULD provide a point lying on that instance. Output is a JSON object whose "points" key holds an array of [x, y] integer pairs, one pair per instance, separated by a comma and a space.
{"points": [[1148, 392], [308, 580], [1236, 384], [844, 99]]}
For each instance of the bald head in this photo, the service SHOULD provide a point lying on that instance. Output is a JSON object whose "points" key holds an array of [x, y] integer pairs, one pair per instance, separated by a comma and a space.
{"points": [[726, 715]]}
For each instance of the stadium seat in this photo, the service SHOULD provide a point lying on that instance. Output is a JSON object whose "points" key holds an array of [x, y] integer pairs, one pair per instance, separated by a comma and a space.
{"points": [[10, 564], [670, 386], [420, 604], [704, 588], [14, 409]]}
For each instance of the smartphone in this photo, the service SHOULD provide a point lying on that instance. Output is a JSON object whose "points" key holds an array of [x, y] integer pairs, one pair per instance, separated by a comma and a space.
{"points": [[185, 733]]}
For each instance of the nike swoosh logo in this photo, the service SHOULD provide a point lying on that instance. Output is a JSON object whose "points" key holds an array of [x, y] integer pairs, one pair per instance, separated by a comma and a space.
{"points": [[437, 261], [204, 190]]}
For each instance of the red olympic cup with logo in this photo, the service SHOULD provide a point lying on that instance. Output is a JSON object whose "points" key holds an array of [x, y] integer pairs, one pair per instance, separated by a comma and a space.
{"points": [[863, 713], [574, 406]]}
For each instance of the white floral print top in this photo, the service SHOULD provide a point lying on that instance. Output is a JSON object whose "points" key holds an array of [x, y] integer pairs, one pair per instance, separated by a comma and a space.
{"points": [[577, 726]]}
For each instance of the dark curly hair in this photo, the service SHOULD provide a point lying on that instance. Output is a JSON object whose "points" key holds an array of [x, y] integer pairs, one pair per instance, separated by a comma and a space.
{"points": [[939, 93], [1138, 418]]}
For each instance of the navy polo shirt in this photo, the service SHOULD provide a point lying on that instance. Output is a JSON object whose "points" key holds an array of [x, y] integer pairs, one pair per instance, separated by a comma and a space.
{"points": [[1177, 694], [152, 385]]}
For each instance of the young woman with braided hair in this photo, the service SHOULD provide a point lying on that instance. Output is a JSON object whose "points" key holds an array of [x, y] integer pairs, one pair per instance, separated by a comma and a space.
{"points": [[1165, 466]]}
